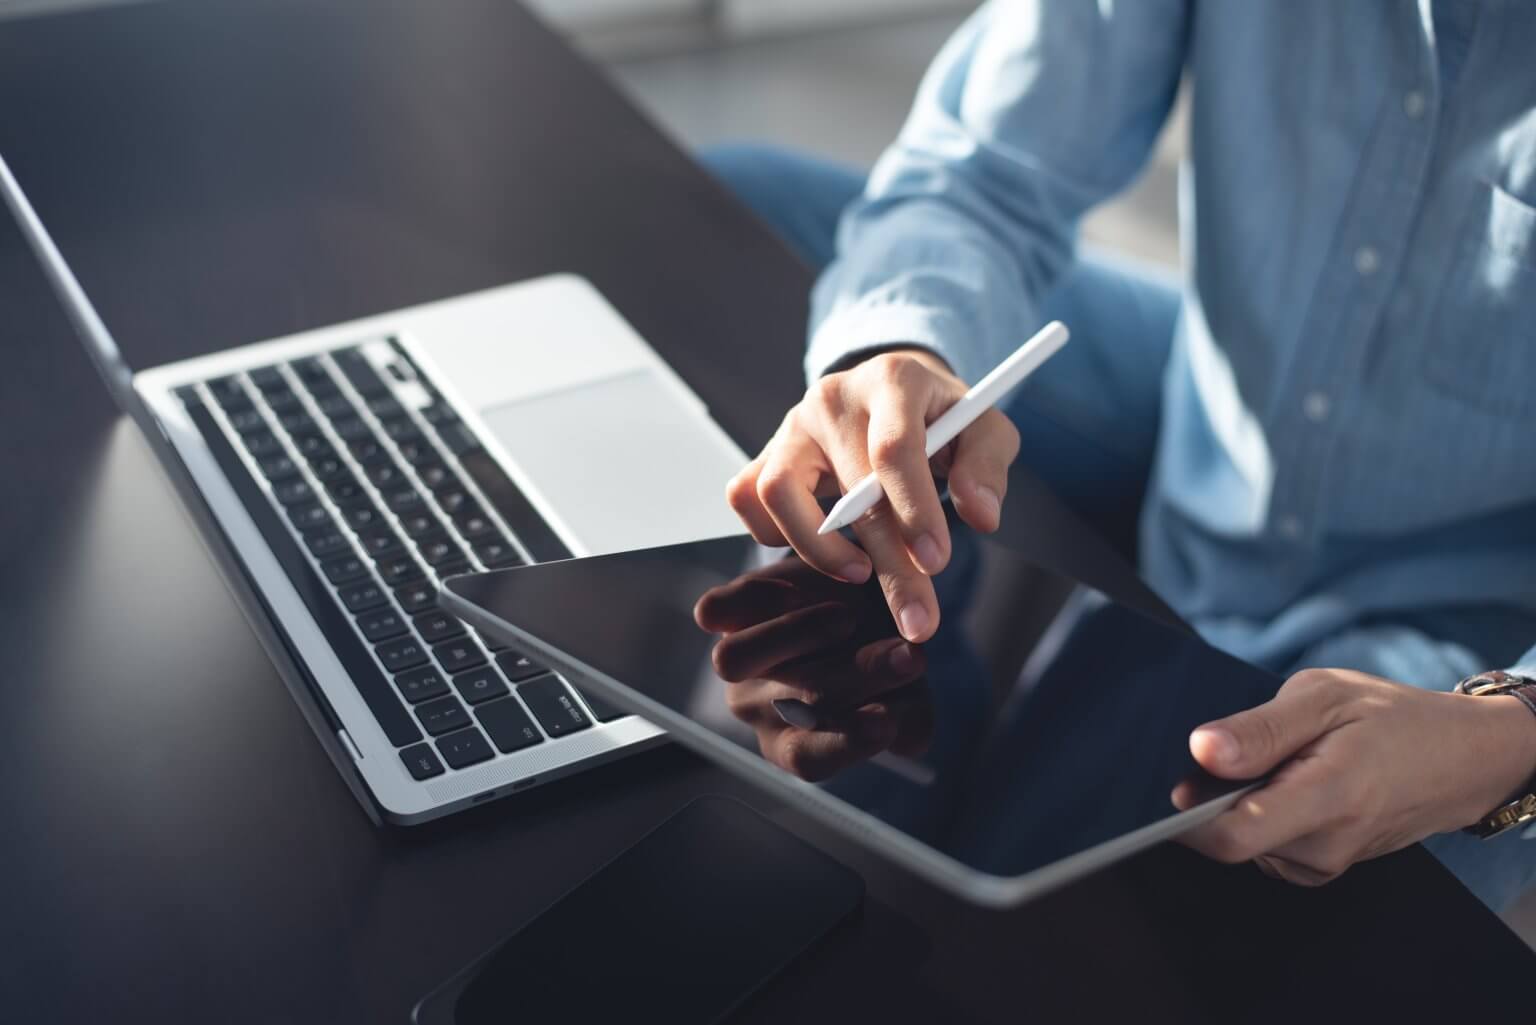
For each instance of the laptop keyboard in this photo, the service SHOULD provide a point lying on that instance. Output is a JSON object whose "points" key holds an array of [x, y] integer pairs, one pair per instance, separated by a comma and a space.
{"points": [[385, 502]]}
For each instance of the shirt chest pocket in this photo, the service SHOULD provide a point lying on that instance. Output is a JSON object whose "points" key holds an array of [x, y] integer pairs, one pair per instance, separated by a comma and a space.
{"points": [[1482, 347]]}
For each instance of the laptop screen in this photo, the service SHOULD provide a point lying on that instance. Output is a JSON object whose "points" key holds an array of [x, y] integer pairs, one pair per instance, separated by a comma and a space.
{"points": [[1007, 747]]}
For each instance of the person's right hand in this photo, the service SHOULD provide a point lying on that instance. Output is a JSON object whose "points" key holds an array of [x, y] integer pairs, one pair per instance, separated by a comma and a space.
{"points": [[873, 418]]}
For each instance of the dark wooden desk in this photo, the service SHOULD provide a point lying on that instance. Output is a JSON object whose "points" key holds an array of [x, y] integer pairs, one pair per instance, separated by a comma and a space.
{"points": [[176, 845]]}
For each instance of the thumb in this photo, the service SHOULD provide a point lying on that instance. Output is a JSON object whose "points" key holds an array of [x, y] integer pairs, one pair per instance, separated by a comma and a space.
{"points": [[1254, 742]]}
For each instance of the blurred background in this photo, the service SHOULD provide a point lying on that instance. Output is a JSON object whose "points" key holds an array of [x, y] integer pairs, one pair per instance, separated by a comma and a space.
{"points": [[831, 76]]}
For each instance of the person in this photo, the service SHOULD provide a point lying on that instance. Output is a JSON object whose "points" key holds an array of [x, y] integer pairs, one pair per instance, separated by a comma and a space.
{"points": [[1316, 439]]}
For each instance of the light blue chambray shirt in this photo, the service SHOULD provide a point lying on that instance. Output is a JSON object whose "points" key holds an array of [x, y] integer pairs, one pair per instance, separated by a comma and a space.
{"points": [[1348, 432]]}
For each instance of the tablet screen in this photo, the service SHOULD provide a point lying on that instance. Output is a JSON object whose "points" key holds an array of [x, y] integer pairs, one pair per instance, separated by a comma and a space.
{"points": [[1012, 739]]}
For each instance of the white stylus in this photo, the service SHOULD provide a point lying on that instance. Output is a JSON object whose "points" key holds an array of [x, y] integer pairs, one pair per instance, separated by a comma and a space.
{"points": [[867, 493]]}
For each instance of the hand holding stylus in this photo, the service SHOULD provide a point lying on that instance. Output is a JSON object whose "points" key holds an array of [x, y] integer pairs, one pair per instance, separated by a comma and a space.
{"points": [[875, 421]]}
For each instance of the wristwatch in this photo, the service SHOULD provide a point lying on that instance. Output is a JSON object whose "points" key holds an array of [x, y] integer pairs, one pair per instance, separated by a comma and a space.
{"points": [[1522, 809]]}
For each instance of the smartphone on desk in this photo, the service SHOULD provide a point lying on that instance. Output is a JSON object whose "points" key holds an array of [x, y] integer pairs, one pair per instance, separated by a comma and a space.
{"points": [[682, 927]]}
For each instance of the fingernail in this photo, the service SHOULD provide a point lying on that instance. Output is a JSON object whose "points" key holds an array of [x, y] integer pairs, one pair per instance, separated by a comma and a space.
{"points": [[926, 550], [902, 660], [855, 572], [913, 619], [795, 713], [989, 500], [1220, 744]]}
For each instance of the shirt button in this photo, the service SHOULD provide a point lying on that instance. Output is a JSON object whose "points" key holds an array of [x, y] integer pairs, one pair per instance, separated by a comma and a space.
{"points": [[1413, 104], [1316, 406], [1290, 527], [1367, 260]]}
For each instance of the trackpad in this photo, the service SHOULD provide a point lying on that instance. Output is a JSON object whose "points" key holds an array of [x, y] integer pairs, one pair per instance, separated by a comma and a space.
{"points": [[621, 463]]}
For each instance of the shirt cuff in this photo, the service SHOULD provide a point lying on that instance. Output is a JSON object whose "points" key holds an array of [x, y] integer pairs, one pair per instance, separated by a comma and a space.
{"points": [[851, 331]]}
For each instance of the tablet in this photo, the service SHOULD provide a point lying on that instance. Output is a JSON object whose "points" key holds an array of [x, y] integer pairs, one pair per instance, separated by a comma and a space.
{"points": [[997, 761]]}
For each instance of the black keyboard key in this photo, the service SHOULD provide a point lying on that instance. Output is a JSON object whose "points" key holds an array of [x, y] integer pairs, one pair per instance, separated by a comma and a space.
{"points": [[418, 524], [491, 644], [362, 595], [226, 390], [247, 421], [439, 551], [479, 685], [437, 626], [267, 378], [497, 552], [453, 500], [418, 452], [385, 406], [601, 708], [402, 429], [313, 446], [403, 500], [453, 568], [418, 597], [344, 569], [263, 444], [323, 544], [359, 666], [283, 402], [444, 715], [336, 405], [293, 492], [400, 570], [383, 475], [361, 514], [458, 655], [381, 624], [552, 704], [369, 451], [351, 428], [421, 762], [464, 748], [360, 372], [328, 467], [435, 476], [457, 438], [310, 516], [518, 666], [276, 468], [298, 423], [439, 413], [509, 726], [401, 653], [420, 685], [346, 491], [309, 369], [474, 524], [381, 542]]}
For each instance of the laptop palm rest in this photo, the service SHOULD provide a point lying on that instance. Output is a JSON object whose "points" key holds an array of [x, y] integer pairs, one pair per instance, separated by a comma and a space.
{"points": [[621, 463]]}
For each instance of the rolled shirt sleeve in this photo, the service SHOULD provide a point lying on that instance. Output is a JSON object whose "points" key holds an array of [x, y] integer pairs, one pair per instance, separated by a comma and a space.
{"points": [[1031, 113]]}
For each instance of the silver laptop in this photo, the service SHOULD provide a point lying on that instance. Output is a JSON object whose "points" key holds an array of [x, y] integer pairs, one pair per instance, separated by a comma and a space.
{"points": [[340, 475]]}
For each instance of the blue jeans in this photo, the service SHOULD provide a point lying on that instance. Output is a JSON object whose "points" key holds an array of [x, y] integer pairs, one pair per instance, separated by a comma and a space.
{"points": [[1090, 433]]}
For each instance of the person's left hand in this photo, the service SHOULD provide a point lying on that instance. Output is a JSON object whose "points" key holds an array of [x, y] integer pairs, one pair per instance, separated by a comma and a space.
{"points": [[1361, 767]]}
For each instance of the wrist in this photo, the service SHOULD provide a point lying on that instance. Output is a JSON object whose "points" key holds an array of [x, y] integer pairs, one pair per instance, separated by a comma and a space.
{"points": [[1509, 759]]}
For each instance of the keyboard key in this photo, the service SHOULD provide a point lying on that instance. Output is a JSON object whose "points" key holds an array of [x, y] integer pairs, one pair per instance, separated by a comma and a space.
{"points": [[418, 524], [420, 685], [360, 372], [263, 444], [361, 514], [313, 446], [437, 626], [292, 492], [509, 726], [601, 708], [473, 525], [453, 500], [438, 551], [518, 666], [421, 761], [310, 516], [442, 715], [381, 542], [458, 655], [384, 475], [381, 624], [283, 402], [400, 570], [228, 389], [385, 406], [298, 423], [418, 452], [491, 644], [402, 429], [309, 369], [346, 491], [247, 421], [351, 428], [479, 685], [327, 466], [401, 653], [336, 406], [497, 552], [435, 475], [439, 413], [458, 438], [267, 378], [453, 568], [419, 597], [403, 500], [362, 595], [276, 468], [343, 569], [323, 544], [369, 451], [464, 748], [553, 706]]}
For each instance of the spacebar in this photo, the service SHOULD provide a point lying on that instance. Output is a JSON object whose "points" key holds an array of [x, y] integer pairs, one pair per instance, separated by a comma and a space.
{"points": [[366, 676]]}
